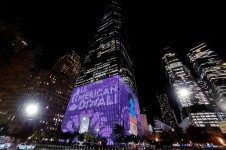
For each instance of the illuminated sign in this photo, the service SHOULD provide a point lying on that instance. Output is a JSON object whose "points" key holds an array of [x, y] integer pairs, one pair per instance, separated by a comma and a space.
{"points": [[92, 96], [103, 104]]}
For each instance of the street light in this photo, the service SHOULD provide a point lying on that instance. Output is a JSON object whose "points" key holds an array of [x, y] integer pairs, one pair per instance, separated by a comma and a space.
{"points": [[130, 132], [221, 141], [98, 131], [31, 109], [183, 92], [156, 139]]}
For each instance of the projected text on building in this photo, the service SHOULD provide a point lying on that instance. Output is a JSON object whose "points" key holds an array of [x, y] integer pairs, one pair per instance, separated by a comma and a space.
{"points": [[106, 103]]}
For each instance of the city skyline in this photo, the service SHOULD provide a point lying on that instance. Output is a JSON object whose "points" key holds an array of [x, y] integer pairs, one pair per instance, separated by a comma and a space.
{"points": [[62, 28]]}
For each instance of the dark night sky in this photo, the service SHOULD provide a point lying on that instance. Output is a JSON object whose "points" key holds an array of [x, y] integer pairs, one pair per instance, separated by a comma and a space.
{"points": [[62, 26]]}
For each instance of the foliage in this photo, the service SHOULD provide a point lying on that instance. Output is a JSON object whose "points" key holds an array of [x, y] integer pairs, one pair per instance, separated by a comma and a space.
{"points": [[205, 135], [25, 132], [178, 135], [66, 135], [195, 134], [175, 136], [38, 135], [3, 118], [151, 136], [104, 142], [98, 138], [4, 128], [54, 134], [80, 136], [166, 137], [132, 138], [89, 137], [118, 130], [119, 133]]}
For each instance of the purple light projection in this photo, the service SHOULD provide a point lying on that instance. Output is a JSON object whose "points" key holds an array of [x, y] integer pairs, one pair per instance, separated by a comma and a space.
{"points": [[106, 103]]}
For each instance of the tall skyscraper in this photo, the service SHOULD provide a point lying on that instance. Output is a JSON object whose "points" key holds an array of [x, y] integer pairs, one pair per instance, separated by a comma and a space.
{"points": [[105, 93], [192, 100], [212, 71], [167, 113], [109, 52]]}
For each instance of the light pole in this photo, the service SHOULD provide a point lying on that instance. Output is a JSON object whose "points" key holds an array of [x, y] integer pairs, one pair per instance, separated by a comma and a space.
{"points": [[31, 110], [98, 131]]}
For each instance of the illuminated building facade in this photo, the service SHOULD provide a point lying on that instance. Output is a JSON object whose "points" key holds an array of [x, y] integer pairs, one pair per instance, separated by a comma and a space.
{"points": [[144, 124], [51, 90], [167, 113], [105, 93], [196, 104], [212, 71]]}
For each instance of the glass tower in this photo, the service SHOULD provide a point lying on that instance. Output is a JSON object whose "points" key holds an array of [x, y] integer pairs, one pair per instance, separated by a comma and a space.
{"points": [[167, 113], [108, 55], [192, 100], [212, 71], [105, 93]]}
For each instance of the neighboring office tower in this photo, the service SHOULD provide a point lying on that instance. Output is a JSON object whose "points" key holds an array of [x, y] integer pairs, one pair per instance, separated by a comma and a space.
{"points": [[212, 71], [167, 113], [191, 99], [105, 93], [51, 89], [144, 124]]}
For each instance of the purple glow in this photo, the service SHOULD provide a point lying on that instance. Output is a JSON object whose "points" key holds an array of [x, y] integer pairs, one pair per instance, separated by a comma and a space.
{"points": [[106, 103]]}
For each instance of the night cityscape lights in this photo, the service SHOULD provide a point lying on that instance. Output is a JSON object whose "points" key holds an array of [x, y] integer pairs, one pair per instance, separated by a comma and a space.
{"points": [[59, 90]]}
